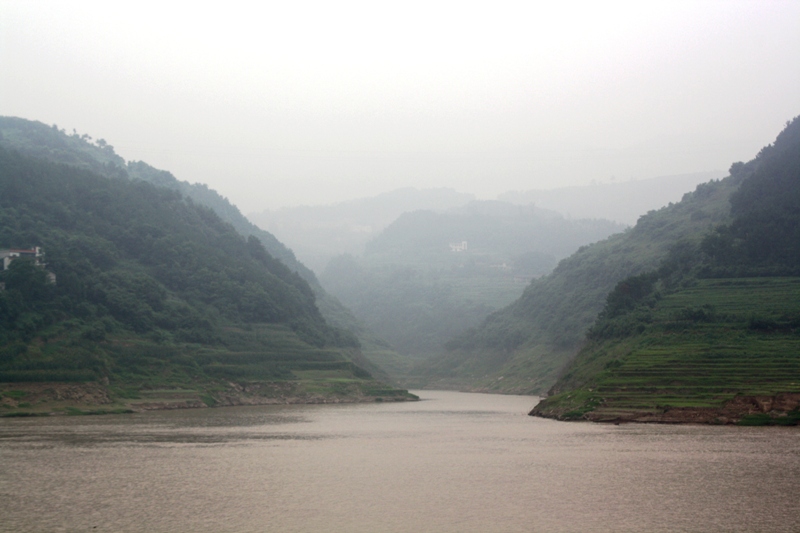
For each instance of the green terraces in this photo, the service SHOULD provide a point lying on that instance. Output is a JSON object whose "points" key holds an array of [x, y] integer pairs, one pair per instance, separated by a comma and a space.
{"points": [[260, 352], [698, 347]]}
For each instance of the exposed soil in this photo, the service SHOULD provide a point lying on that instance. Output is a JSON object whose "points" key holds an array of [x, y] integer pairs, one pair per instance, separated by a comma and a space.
{"points": [[14, 394], [95, 398], [731, 413]]}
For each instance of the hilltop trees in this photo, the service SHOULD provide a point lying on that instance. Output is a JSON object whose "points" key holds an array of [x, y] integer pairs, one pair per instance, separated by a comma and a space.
{"points": [[141, 256]]}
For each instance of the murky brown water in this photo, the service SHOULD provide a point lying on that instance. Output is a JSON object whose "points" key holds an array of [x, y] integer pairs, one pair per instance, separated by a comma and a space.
{"points": [[452, 463]]}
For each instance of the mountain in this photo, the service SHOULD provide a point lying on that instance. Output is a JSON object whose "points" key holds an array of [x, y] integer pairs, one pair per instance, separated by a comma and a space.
{"points": [[523, 347], [495, 232], [51, 143], [48, 142], [318, 233], [431, 275], [153, 294], [623, 202], [712, 334]]}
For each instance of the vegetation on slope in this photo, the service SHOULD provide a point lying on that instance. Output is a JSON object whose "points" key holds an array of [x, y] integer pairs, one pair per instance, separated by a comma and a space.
{"points": [[523, 347], [713, 334], [689, 355], [51, 143], [152, 290], [417, 286]]}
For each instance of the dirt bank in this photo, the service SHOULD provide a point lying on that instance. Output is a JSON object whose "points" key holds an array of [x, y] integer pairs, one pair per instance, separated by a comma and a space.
{"points": [[20, 399], [732, 412], [16, 395]]}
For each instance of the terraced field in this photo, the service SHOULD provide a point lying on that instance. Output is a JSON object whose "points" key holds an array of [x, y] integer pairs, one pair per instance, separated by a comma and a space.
{"points": [[699, 348]]}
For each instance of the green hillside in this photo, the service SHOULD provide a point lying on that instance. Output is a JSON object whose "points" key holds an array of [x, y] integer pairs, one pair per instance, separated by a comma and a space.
{"points": [[81, 151], [53, 144], [152, 292], [523, 347], [712, 334], [698, 348]]}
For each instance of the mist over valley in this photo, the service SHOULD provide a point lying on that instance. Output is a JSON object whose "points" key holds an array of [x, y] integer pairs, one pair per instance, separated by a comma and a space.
{"points": [[401, 267]]}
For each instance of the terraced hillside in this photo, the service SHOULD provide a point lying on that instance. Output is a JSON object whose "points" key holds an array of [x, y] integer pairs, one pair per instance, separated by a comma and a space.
{"points": [[722, 342], [522, 348], [713, 333]]}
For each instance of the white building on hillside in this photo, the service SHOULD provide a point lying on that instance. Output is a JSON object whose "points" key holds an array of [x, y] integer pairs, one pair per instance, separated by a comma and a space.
{"points": [[7, 256], [36, 254]]}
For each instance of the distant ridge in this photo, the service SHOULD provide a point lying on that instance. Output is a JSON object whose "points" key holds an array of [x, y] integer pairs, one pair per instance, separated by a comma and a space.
{"points": [[432, 274], [318, 233]]}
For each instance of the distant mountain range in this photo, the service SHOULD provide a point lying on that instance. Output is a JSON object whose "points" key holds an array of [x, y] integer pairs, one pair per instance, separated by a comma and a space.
{"points": [[430, 275], [389, 257], [318, 233]]}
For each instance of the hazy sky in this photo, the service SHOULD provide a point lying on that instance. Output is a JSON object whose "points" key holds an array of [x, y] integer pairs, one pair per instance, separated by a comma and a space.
{"points": [[312, 102]]}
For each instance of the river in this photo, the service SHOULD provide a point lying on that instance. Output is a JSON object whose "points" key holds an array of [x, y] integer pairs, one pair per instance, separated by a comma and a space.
{"points": [[453, 462]]}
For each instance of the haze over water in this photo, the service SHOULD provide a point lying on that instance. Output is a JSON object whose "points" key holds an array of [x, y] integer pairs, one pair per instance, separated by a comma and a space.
{"points": [[452, 462]]}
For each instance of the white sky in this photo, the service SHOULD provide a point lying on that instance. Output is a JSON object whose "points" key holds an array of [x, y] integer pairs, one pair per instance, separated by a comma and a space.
{"points": [[290, 103]]}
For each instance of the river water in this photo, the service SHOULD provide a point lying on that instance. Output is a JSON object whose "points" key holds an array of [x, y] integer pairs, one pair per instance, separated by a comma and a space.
{"points": [[453, 462]]}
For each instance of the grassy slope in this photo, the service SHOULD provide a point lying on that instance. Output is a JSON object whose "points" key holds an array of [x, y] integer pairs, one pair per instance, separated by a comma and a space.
{"points": [[523, 347], [256, 364], [703, 345]]}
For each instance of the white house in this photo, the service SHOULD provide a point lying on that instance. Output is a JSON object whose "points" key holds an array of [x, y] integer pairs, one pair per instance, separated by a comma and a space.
{"points": [[7, 256], [36, 254]]}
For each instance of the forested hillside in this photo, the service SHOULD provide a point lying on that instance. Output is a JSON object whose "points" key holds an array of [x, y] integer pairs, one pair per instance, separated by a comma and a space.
{"points": [[81, 151], [713, 333], [152, 291], [90, 225]]}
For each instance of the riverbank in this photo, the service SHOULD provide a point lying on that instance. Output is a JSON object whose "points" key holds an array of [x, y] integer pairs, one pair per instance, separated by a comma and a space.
{"points": [[780, 409], [54, 398]]}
